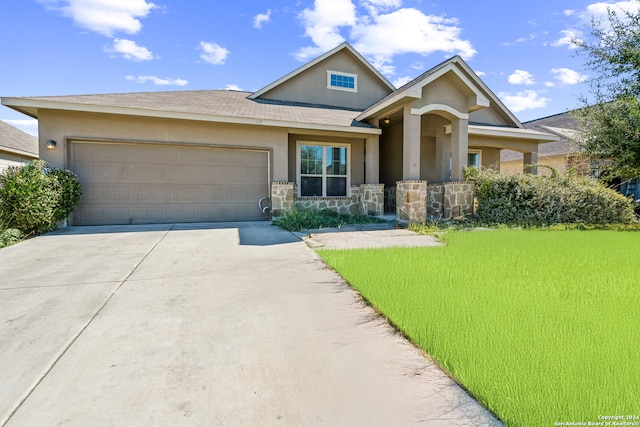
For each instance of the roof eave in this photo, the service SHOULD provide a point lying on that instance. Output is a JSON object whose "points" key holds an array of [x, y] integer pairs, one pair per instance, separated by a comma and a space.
{"points": [[26, 104]]}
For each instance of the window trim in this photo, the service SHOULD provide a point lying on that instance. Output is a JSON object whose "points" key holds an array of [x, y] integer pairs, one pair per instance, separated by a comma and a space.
{"points": [[323, 144], [479, 153], [343, 74]]}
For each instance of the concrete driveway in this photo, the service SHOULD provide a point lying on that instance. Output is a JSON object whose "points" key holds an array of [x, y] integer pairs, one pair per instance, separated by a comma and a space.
{"points": [[208, 324]]}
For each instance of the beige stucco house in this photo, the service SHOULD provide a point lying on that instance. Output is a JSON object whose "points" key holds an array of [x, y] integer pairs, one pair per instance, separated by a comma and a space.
{"points": [[333, 133], [16, 147], [560, 154]]}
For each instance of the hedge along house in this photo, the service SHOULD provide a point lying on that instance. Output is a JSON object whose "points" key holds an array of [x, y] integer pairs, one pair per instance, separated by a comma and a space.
{"points": [[333, 133]]}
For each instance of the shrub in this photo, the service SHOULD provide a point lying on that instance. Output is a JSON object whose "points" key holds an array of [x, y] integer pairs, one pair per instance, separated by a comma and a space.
{"points": [[70, 192], [33, 197], [547, 200], [28, 198], [10, 236]]}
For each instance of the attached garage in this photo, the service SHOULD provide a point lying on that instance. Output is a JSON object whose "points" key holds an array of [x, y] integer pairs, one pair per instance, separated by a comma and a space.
{"points": [[146, 183]]}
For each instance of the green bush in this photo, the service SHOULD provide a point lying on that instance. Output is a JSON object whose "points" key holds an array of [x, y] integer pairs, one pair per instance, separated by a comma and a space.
{"points": [[10, 236], [70, 192], [547, 200], [33, 197]]}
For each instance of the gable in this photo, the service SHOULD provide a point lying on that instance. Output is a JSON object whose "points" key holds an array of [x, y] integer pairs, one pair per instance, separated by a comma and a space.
{"points": [[340, 79]]}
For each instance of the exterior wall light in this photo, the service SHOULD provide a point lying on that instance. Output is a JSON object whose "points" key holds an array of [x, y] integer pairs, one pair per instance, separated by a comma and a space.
{"points": [[51, 144], [386, 120]]}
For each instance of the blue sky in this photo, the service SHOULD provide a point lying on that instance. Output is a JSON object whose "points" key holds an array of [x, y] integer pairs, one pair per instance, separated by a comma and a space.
{"points": [[522, 50]]}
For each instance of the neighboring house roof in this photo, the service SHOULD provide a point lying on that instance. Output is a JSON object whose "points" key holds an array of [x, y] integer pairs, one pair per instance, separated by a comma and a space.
{"points": [[343, 46], [563, 125], [206, 105], [15, 141]]}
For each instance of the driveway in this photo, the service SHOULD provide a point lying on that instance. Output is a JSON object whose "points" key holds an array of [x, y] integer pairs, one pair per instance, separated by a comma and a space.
{"points": [[207, 324]]}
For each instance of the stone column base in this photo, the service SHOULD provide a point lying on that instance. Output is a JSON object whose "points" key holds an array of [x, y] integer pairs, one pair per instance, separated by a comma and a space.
{"points": [[411, 201], [282, 198], [449, 200], [372, 199]]}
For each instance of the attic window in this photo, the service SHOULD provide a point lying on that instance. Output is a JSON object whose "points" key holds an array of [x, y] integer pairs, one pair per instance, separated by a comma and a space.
{"points": [[342, 81]]}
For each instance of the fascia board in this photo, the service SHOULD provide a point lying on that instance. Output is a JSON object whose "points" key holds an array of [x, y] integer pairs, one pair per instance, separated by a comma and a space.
{"points": [[88, 108]]}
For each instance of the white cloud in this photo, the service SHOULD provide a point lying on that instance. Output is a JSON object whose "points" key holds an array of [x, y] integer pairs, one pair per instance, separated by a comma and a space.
{"points": [[569, 12], [567, 38], [128, 49], [409, 31], [213, 53], [106, 17], [521, 77], [530, 37], [401, 81], [232, 87], [158, 81], [377, 6], [525, 100], [599, 10], [261, 18], [322, 25], [29, 126], [380, 31], [480, 73], [567, 76]]}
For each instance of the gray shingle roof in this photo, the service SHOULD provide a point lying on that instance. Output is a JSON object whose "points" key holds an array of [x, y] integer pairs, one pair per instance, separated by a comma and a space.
{"points": [[221, 103], [562, 125], [17, 140]]}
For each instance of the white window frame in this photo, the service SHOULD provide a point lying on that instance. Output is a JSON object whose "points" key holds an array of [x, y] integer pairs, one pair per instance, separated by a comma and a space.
{"points": [[479, 153], [340, 73], [324, 145]]}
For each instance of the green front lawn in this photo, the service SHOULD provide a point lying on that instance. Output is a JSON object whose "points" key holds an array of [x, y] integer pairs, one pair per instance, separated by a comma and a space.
{"points": [[540, 326]]}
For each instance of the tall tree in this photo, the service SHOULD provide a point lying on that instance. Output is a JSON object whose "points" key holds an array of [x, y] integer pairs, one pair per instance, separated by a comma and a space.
{"points": [[611, 121]]}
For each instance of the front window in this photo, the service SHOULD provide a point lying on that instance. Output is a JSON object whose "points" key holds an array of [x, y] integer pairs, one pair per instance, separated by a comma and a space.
{"points": [[474, 159], [323, 170]]}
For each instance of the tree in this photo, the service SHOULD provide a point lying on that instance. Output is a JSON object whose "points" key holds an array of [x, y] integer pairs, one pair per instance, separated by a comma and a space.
{"points": [[611, 122]]}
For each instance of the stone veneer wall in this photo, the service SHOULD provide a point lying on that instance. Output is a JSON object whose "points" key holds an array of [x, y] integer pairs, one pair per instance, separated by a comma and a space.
{"points": [[411, 201], [372, 199], [342, 205], [447, 200], [367, 199], [282, 196]]}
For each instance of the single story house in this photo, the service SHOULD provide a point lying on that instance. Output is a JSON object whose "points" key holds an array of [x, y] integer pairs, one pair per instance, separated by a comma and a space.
{"points": [[559, 154], [333, 133], [16, 147]]}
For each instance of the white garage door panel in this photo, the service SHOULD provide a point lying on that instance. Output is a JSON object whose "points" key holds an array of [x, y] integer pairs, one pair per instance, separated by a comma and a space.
{"points": [[132, 184]]}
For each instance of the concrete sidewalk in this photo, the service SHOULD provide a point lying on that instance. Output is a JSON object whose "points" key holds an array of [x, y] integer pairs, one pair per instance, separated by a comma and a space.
{"points": [[202, 324]]}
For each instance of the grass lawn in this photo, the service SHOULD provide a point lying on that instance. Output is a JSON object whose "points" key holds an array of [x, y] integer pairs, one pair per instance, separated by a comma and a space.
{"points": [[540, 326]]}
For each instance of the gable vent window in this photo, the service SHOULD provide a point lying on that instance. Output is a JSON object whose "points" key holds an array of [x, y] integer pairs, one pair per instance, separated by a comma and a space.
{"points": [[342, 81]]}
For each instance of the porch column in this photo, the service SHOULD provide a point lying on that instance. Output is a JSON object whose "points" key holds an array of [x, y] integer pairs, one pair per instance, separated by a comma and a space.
{"points": [[530, 162], [372, 159], [459, 148], [443, 154], [411, 146]]}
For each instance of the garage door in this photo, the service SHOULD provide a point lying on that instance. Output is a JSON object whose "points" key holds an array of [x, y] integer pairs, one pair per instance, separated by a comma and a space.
{"points": [[146, 184]]}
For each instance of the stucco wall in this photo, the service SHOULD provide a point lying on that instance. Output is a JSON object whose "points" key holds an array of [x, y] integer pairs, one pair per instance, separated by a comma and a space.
{"points": [[12, 159], [62, 126], [559, 163], [310, 86], [357, 154], [490, 157]]}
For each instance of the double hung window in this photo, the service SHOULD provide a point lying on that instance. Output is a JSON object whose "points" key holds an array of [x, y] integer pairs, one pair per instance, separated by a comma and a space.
{"points": [[323, 170]]}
